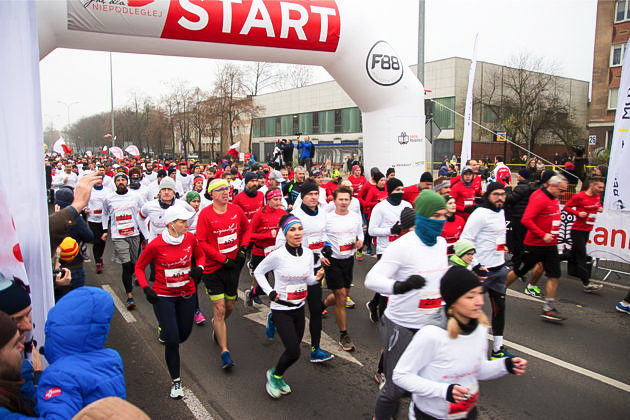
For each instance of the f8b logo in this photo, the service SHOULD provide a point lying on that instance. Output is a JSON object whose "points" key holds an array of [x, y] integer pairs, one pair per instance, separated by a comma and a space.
{"points": [[383, 65]]}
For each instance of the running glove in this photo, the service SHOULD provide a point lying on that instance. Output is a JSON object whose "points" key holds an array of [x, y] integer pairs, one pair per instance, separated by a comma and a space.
{"points": [[396, 229], [414, 281], [273, 295], [229, 263], [469, 209], [240, 257], [327, 251], [152, 297], [480, 271], [196, 273]]}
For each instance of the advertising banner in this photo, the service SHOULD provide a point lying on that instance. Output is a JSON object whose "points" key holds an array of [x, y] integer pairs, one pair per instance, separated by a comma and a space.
{"points": [[610, 238]]}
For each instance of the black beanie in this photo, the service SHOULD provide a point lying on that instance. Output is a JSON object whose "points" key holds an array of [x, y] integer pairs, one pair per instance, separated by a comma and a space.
{"points": [[525, 173], [307, 187], [426, 177], [456, 282], [64, 197], [407, 218], [390, 171], [8, 328], [492, 187], [378, 176], [14, 296], [392, 184], [546, 175]]}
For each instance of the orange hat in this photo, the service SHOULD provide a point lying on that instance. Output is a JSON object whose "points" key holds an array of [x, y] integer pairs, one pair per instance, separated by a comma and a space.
{"points": [[69, 249]]}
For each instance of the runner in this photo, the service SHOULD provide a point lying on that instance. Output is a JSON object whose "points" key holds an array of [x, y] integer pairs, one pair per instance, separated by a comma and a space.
{"points": [[172, 293], [250, 200], [357, 180], [194, 201], [442, 364], [385, 227], [412, 285], [314, 238], [291, 190], [501, 172], [121, 215], [153, 211], [584, 206], [344, 230], [542, 221], [464, 193], [355, 206], [363, 193], [223, 232], [442, 186], [412, 191], [65, 178], [292, 267], [264, 228], [94, 212], [454, 224], [486, 229], [318, 177]]}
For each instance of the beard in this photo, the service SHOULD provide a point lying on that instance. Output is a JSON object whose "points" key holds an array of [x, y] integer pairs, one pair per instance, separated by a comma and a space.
{"points": [[121, 189]]}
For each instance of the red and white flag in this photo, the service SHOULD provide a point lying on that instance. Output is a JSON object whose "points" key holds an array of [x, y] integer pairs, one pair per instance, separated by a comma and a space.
{"points": [[233, 150], [133, 151], [117, 152], [89, 153], [107, 136], [104, 151], [61, 147]]}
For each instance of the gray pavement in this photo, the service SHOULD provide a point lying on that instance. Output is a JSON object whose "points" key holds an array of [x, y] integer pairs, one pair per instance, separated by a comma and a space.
{"points": [[595, 338]]}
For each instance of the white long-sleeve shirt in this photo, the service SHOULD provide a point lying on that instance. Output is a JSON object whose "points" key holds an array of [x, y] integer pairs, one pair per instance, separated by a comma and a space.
{"points": [[384, 216], [314, 229], [404, 257], [355, 206], [123, 211], [96, 204], [342, 232], [63, 179], [153, 214], [292, 274], [433, 361], [486, 229]]}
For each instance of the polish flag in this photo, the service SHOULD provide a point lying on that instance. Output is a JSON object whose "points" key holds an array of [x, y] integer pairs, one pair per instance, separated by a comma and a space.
{"points": [[117, 152], [61, 147], [233, 150], [104, 151], [133, 151]]}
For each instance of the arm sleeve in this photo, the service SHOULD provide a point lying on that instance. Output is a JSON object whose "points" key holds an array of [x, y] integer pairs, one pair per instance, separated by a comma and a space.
{"points": [[265, 266], [246, 231], [312, 279], [200, 256], [420, 352], [105, 215], [68, 400], [379, 278], [532, 209], [360, 234], [83, 231], [362, 195], [574, 201], [204, 237], [489, 369], [374, 228], [254, 225], [145, 259]]}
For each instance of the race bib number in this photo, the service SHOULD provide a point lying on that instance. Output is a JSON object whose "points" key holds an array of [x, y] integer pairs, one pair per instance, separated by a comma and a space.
{"points": [[126, 225], [430, 301], [296, 293], [500, 244], [468, 203], [268, 250], [97, 211], [177, 277], [555, 227], [315, 242], [346, 246], [227, 243]]}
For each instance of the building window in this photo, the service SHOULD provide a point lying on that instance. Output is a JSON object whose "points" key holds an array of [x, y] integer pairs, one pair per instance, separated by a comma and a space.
{"points": [[286, 125], [612, 98], [443, 116], [256, 131], [305, 123], [350, 120], [621, 11], [296, 124], [326, 122], [616, 54], [490, 113], [270, 127]]}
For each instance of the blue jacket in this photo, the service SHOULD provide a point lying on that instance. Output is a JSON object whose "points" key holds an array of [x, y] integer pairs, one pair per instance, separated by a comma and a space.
{"points": [[81, 371], [305, 148]]}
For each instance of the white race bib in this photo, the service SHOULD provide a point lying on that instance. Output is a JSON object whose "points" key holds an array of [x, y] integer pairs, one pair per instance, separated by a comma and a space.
{"points": [[124, 220], [296, 293], [315, 242], [555, 227], [268, 250], [346, 245], [227, 243], [177, 277]]}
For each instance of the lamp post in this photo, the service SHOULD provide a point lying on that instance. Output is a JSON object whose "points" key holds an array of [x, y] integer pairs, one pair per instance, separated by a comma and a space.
{"points": [[68, 105]]}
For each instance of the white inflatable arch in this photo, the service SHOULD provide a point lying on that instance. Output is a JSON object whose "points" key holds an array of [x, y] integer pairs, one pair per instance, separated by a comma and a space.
{"points": [[347, 37]]}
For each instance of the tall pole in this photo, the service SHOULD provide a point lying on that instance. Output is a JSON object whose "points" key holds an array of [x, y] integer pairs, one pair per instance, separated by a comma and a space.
{"points": [[111, 91], [429, 149]]}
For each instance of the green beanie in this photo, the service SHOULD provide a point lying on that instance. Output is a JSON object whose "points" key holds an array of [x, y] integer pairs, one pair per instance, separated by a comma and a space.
{"points": [[428, 202], [463, 246], [192, 195]]}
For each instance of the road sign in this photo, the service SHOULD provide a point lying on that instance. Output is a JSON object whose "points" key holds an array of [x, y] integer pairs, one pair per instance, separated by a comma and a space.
{"points": [[500, 135]]}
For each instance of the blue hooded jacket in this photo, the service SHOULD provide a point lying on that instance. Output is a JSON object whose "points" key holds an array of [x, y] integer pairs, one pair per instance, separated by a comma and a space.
{"points": [[81, 371]]}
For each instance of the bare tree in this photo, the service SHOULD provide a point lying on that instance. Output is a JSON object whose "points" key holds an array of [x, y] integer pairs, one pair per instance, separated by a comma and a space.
{"points": [[257, 78], [295, 76], [229, 88]]}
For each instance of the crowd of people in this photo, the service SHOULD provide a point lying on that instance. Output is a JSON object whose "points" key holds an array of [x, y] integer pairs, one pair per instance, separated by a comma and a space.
{"points": [[439, 244]]}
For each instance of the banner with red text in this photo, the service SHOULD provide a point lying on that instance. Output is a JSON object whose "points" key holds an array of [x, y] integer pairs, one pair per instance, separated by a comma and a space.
{"points": [[610, 238], [294, 24]]}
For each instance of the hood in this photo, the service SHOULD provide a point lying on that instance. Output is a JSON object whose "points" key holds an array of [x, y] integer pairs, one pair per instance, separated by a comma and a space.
{"points": [[78, 323]]}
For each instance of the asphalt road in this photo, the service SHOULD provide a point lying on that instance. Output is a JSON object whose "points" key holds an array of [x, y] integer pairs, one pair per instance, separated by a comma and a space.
{"points": [[577, 370]]}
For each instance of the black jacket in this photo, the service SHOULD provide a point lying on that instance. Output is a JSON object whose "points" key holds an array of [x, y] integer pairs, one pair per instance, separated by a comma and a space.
{"points": [[517, 200]]}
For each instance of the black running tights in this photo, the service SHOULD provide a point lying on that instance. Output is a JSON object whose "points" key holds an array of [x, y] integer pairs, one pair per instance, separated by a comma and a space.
{"points": [[315, 307], [99, 244], [175, 316], [127, 272], [290, 327], [497, 301]]}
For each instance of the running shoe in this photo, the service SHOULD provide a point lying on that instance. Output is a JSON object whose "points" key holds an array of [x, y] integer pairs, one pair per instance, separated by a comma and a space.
{"points": [[249, 299], [319, 356], [359, 255], [346, 343], [131, 304], [533, 291], [623, 308], [501, 353], [257, 299], [273, 385], [99, 267], [284, 387], [270, 328], [349, 302], [226, 360], [176, 390], [552, 315], [592, 287], [161, 338], [379, 378], [199, 318], [371, 307]]}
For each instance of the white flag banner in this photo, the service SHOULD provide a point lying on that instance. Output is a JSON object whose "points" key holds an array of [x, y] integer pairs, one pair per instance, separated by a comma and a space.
{"points": [[89, 153], [610, 238], [467, 138], [618, 183], [132, 150], [235, 146], [58, 146], [117, 152]]}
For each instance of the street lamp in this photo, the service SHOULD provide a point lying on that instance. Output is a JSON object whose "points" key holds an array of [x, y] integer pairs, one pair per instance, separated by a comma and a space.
{"points": [[68, 109]]}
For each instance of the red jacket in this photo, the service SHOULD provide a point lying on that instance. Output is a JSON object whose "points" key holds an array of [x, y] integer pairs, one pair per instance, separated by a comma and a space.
{"points": [[464, 197], [542, 216], [249, 205], [411, 193], [357, 183], [452, 230], [221, 235], [476, 183], [172, 263], [262, 225], [583, 202], [374, 197], [363, 194], [330, 187]]}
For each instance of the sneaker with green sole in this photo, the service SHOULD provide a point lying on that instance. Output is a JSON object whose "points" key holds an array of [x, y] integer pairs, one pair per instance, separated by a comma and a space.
{"points": [[276, 386], [500, 354], [533, 291]]}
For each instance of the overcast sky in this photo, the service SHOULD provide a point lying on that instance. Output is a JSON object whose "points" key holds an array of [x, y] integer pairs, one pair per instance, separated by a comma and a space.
{"points": [[560, 31]]}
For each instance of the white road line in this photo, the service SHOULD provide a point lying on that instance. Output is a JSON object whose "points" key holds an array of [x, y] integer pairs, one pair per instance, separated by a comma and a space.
{"points": [[195, 406], [119, 305], [570, 366], [520, 295]]}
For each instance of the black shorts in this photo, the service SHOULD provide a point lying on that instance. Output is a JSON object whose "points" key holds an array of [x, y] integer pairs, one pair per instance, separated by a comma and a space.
{"points": [[222, 284], [547, 255], [339, 273]]}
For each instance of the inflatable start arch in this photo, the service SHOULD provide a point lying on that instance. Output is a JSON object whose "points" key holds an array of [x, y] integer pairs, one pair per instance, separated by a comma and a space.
{"points": [[348, 38]]}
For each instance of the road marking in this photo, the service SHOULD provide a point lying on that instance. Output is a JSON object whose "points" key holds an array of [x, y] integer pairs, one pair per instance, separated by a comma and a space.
{"points": [[327, 343], [520, 295], [570, 366], [195, 406], [119, 305]]}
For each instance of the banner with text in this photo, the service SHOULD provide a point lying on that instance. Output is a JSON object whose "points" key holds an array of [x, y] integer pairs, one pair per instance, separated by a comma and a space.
{"points": [[610, 238]]}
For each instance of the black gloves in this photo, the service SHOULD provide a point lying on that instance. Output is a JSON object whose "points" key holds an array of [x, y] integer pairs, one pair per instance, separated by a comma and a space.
{"points": [[327, 251], [396, 229], [480, 271], [240, 256], [273, 295], [196, 273], [449, 393], [413, 282], [229, 263], [506, 179], [152, 297]]}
